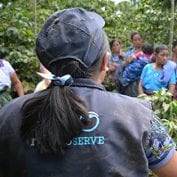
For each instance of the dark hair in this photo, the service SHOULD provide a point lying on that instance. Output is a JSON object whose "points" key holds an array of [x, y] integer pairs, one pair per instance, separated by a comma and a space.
{"points": [[148, 48], [160, 47], [135, 33], [114, 40], [53, 116], [174, 43], [1, 55]]}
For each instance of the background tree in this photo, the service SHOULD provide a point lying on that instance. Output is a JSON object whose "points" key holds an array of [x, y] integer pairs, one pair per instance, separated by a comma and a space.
{"points": [[171, 26], [21, 21]]}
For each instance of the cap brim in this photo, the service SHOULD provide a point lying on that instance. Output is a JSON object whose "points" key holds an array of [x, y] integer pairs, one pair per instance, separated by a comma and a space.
{"points": [[100, 21], [46, 76]]}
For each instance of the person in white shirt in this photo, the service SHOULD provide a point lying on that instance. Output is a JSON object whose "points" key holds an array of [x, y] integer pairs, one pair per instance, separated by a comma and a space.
{"points": [[8, 77]]}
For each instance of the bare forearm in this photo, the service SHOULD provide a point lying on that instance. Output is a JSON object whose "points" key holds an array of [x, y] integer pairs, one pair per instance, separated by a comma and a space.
{"points": [[19, 89], [171, 88], [168, 170], [17, 84], [140, 88]]}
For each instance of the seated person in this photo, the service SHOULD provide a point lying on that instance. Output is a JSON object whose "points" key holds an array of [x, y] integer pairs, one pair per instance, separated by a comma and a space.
{"points": [[136, 64], [158, 75]]}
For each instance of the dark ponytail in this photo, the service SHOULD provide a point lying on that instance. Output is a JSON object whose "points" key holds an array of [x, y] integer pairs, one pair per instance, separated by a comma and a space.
{"points": [[52, 119], [54, 116]]}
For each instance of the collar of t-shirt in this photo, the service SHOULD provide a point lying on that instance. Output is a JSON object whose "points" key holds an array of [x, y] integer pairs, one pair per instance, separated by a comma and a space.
{"points": [[89, 83]]}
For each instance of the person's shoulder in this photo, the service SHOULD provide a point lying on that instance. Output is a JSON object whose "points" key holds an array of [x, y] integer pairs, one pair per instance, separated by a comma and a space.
{"points": [[5, 62], [10, 118], [130, 49], [129, 52], [127, 100], [170, 64], [2, 60], [149, 65], [7, 65], [14, 106], [11, 115], [129, 110]]}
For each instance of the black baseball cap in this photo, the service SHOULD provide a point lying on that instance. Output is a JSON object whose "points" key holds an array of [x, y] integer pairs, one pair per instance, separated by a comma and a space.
{"points": [[72, 33]]}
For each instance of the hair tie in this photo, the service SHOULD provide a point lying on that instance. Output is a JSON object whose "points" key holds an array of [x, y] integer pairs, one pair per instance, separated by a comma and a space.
{"points": [[65, 80]]}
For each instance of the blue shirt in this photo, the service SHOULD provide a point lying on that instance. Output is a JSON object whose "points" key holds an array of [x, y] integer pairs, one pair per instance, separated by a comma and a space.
{"points": [[118, 60], [152, 78], [115, 59], [160, 147], [129, 52]]}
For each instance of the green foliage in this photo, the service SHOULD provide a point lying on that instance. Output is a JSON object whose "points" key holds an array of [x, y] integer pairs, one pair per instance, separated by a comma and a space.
{"points": [[17, 40], [157, 21], [166, 4], [166, 108], [19, 23], [21, 20]]}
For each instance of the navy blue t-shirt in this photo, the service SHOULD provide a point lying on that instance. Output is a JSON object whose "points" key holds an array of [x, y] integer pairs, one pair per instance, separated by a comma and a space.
{"points": [[126, 139]]}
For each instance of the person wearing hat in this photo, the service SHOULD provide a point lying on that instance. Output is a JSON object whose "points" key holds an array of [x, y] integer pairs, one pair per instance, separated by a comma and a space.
{"points": [[75, 128]]}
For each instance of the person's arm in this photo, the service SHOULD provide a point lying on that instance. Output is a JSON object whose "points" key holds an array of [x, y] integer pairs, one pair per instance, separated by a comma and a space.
{"points": [[122, 54], [172, 82], [142, 78], [112, 67], [17, 84], [171, 88], [168, 170], [160, 150], [140, 88], [130, 59]]}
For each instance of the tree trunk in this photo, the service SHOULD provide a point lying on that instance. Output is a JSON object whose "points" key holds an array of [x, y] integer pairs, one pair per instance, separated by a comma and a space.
{"points": [[171, 27], [35, 18]]}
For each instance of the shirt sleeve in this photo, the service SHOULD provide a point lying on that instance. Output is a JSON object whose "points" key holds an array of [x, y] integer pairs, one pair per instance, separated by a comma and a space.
{"points": [[160, 147], [9, 67], [173, 78], [129, 53]]}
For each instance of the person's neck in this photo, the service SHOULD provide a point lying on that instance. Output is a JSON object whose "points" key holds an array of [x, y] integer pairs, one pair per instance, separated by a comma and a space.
{"points": [[137, 49], [158, 66], [99, 77], [117, 53], [174, 57]]}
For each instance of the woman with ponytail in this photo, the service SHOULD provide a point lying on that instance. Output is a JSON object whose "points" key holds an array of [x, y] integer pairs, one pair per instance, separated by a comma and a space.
{"points": [[75, 128]]}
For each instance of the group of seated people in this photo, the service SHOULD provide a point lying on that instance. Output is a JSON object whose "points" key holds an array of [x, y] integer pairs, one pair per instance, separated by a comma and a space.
{"points": [[143, 69]]}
